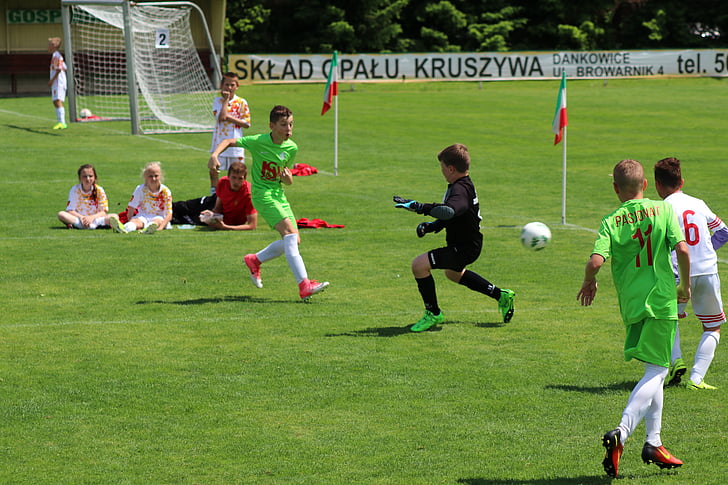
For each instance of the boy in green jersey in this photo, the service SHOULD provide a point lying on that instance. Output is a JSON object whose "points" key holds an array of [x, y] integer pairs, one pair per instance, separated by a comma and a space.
{"points": [[639, 237], [273, 154]]}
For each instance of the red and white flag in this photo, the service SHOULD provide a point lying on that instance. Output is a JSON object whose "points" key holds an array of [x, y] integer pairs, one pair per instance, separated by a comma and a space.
{"points": [[332, 84], [560, 118]]}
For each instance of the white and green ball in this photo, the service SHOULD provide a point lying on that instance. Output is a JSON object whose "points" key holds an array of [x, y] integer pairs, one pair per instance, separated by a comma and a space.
{"points": [[535, 236]]}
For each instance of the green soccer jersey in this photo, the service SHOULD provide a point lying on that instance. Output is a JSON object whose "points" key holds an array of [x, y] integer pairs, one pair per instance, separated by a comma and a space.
{"points": [[639, 237], [268, 161]]}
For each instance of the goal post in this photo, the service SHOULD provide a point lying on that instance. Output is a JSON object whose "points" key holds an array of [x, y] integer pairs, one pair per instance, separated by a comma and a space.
{"points": [[138, 62]]}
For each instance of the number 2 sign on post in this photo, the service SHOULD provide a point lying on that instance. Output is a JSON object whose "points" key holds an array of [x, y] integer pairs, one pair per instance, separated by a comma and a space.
{"points": [[162, 39]]}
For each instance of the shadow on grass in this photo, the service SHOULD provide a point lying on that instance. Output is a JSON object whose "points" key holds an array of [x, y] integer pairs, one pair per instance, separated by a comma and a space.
{"points": [[396, 331], [219, 299], [540, 481], [379, 332], [31, 130], [490, 324], [617, 386]]}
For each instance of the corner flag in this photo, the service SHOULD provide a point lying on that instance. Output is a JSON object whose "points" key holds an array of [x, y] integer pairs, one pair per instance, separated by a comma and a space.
{"points": [[332, 85], [560, 118]]}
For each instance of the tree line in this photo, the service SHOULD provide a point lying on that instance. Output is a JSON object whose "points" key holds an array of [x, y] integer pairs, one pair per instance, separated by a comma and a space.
{"points": [[377, 26]]}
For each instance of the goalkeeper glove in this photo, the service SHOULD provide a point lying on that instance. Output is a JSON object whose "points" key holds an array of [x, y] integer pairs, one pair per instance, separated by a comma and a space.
{"points": [[409, 204], [424, 227]]}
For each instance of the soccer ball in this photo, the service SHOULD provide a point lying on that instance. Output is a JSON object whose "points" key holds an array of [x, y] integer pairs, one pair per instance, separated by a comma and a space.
{"points": [[86, 113], [535, 236]]}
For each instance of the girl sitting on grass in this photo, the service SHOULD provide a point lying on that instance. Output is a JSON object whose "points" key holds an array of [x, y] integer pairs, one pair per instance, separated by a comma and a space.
{"points": [[150, 207], [87, 205]]}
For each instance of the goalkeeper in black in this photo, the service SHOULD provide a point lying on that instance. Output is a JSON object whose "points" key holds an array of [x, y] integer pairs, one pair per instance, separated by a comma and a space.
{"points": [[459, 215]]}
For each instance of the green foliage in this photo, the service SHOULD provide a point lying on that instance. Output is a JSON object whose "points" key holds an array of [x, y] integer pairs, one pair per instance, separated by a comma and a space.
{"points": [[579, 38], [459, 25], [152, 359], [244, 29], [656, 26]]}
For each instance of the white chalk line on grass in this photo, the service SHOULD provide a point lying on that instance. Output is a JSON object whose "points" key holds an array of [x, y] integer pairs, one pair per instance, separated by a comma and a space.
{"points": [[98, 126]]}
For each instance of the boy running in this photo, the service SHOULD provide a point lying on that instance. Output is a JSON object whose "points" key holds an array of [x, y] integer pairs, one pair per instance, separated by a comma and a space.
{"points": [[697, 222], [273, 154], [639, 236], [459, 215]]}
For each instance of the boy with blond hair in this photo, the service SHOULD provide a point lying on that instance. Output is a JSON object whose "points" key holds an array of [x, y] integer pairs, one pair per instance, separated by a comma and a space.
{"points": [[639, 237]]}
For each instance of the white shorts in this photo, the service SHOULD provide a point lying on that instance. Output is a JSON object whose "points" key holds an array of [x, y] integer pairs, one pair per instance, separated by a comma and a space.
{"points": [[706, 300], [146, 220], [225, 162], [58, 92]]}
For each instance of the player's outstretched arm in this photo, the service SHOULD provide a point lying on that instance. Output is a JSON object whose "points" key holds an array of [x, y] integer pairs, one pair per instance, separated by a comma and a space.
{"points": [[589, 286], [438, 211]]}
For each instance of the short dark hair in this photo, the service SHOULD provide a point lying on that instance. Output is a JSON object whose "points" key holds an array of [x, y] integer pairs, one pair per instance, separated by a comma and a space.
{"points": [[668, 172], [238, 167], [279, 112], [457, 156], [231, 74]]}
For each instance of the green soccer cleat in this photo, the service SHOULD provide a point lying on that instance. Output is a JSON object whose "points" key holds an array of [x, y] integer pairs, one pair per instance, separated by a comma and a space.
{"points": [[429, 320], [699, 387], [150, 229], [116, 224], [60, 126], [674, 375], [505, 304]]}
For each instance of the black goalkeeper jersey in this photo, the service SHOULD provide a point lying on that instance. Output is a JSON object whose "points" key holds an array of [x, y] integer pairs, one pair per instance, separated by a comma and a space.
{"points": [[464, 228]]}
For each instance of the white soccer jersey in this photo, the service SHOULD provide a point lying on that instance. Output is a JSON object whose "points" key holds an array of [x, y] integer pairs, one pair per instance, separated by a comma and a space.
{"points": [[151, 204], [237, 108], [58, 64], [84, 202], [698, 222]]}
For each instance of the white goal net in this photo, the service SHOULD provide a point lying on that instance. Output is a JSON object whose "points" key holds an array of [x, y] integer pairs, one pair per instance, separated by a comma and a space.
{"points": [[174, 91]]}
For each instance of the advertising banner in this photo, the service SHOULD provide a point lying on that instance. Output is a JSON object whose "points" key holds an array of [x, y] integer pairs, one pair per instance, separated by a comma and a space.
{"points": [[480, 66]]}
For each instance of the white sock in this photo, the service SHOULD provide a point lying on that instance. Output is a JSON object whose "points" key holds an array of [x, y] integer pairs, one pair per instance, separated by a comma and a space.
{"points": [[78, 224], [130, 226], [653, 418], [61, 114], [295, 261], [645, 401], [676, 352], [99, 221], [273, 250], [704, 355]]}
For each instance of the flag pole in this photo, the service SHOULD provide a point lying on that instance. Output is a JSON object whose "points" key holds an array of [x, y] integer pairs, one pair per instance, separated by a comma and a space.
{"points": [[563, 178], [336, 135]]}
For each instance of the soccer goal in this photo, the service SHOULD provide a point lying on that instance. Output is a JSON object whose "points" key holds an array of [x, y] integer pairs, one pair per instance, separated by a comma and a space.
{"points": [[138, 62]]}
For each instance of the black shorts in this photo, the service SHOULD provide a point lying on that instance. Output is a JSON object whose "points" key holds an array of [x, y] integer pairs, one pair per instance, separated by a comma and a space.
{"points": [[188, 211], [455, 258]]}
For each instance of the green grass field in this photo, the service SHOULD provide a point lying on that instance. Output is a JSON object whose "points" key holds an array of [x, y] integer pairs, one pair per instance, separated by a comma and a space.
{"points": [[137, 359]]}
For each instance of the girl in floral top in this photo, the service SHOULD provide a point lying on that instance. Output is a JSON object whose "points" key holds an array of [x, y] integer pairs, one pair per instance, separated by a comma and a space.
{"points": [[87, 205]]}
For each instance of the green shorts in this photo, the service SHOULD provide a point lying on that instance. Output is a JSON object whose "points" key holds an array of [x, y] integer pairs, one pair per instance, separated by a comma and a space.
{"points": [[273, 206], [650, 341]]}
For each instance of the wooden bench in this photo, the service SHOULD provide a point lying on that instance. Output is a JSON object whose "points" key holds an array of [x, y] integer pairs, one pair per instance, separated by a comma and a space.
{"points": [[19, 64]]}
